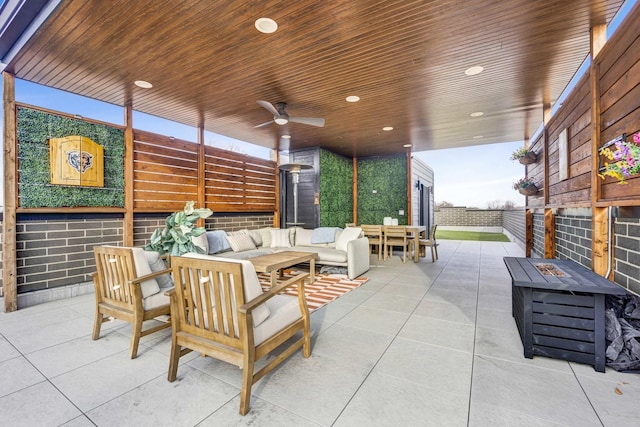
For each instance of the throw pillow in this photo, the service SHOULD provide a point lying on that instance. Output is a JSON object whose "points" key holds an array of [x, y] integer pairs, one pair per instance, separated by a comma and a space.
{"points": [[303, 237], [156, 263], [241, 242], [201, 241], [217, 240], [265, 234], [347, 235], [256, 236], [280, 238]]}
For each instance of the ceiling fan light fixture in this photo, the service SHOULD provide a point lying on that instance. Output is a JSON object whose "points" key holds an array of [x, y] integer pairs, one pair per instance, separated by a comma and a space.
{"points": [[352, 98], [472, 71], [266, 25], [281, 120], [286, 136]]}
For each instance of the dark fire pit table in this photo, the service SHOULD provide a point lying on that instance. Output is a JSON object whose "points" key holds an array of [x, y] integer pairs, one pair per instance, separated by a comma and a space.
{"points": [[558, 306]]}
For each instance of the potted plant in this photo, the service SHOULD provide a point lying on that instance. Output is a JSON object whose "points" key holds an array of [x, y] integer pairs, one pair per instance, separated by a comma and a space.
{"points": [[526, 186], [524, 155], [176, 236], [626, 159]]}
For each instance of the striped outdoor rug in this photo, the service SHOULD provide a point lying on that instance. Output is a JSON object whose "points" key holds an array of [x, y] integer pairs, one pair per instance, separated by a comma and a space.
{"points": [[325, 289]]}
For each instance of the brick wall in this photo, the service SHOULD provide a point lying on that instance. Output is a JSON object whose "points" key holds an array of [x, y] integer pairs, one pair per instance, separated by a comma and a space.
{"points": [[462, 216], [627, 253], [514, 222], [54, 250], [57, 250], [538, 236], [573, 238]]}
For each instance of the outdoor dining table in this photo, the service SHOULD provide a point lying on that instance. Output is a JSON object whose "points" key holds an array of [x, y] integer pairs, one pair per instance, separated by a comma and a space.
{"points": [[413, 234]]}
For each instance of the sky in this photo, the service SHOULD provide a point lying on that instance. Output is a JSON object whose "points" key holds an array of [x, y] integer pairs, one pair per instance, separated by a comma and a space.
{"points": [[470, 176]]}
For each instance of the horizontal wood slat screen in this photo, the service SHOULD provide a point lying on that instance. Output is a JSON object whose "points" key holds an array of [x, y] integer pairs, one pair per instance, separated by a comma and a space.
{"points": [[165, 172], [166, 177], [620, 104], [238, 183]]}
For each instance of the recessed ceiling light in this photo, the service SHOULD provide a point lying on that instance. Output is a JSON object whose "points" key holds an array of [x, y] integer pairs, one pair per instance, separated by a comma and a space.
{"points": [[286, 136], [143, 84], [387, 128], [352, 98], [407, 145], [472, 71], [478, 137], [477, 114], [266, 25]]}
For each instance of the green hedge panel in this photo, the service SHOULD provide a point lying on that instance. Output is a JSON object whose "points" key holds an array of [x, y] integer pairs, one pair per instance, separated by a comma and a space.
{"points": [[388, 177], [336, 190], [35, 191]]}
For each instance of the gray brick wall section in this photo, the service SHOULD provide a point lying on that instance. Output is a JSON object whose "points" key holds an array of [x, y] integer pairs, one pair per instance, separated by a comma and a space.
{"points": [[514, 222], [573, 239], [538, 235], [56, 253], [462, 216], [627, 253]]}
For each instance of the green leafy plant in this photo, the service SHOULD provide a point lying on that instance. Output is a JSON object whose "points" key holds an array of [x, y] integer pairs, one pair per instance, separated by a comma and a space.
{"points": [[524, 155], [180, 227]]}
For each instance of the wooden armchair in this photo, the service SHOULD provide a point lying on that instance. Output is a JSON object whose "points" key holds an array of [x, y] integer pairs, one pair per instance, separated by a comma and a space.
{"points": [[430, 241], [396, 235], [374, 234], [125, 288], [218, 309]]}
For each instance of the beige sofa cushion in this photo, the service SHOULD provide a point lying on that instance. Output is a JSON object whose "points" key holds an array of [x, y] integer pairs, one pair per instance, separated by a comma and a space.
{"points": [[148, 287], [241, 242], [347, 235]]}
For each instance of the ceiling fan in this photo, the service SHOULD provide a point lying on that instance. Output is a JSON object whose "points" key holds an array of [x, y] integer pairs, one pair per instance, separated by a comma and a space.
{"points": [[281, 117]]}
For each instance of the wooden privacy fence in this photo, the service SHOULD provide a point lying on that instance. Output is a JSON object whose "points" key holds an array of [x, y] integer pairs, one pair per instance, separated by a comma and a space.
{"points": [[166, 176]]}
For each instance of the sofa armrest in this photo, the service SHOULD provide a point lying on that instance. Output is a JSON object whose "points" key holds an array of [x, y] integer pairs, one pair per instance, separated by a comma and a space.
{"points": [[357, 257]]}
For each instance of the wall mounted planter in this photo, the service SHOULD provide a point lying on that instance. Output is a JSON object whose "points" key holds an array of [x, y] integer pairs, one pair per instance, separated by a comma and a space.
{"points": [[528, 158], [529, 190]]}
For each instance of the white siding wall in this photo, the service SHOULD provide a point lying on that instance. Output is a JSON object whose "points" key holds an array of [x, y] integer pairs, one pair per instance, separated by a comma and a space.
{"points": [[422, 172]]}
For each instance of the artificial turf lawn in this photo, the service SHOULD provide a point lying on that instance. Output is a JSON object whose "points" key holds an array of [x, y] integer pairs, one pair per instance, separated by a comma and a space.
{"points": [[471, 235]]}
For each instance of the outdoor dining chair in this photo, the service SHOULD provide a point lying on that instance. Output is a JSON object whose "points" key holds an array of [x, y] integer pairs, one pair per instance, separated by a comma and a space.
{"points": [[396, 235], [374, 234], [430, 242]]}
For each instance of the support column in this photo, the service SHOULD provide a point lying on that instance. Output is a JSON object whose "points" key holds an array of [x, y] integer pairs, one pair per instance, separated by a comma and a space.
{"points": [[600, 251], [355, 190], [127, 226], [528, 218], [9, 269], [201, 173], [549, 233]]}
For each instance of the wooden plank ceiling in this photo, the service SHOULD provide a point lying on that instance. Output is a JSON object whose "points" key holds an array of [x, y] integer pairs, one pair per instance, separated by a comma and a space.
{"points": [[406, 60]]}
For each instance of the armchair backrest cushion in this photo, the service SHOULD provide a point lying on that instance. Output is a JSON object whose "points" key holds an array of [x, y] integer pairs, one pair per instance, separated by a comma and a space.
{"points": [[251, 285], [148, 287]]}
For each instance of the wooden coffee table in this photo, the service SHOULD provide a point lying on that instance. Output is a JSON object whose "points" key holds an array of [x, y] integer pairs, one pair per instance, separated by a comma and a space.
{"points": [[275, 262]]}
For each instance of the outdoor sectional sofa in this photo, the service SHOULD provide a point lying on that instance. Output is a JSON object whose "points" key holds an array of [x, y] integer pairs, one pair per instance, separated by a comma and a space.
{"points": [[338, 247]]}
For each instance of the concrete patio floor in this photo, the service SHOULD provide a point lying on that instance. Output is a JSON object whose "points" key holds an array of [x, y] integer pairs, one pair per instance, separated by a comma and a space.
{"points": [[426, 344]]}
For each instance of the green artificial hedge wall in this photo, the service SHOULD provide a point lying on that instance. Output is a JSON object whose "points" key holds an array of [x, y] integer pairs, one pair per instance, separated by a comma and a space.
{"points": [[35, 191], [388, 177], [336, 190]]}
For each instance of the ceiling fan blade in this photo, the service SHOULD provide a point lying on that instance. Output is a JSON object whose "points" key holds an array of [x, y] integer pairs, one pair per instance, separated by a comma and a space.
{"points": [[313, 121], [264, 124], [269, 107]]}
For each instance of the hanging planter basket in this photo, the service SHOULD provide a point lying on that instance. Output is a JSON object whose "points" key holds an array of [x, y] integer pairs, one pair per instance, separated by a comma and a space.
{"points": [[529, 190], [529, 158]]}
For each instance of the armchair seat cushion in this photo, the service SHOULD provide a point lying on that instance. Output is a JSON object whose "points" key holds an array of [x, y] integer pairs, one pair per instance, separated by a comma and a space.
{"points": [[155, 301], [283, 311]]}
